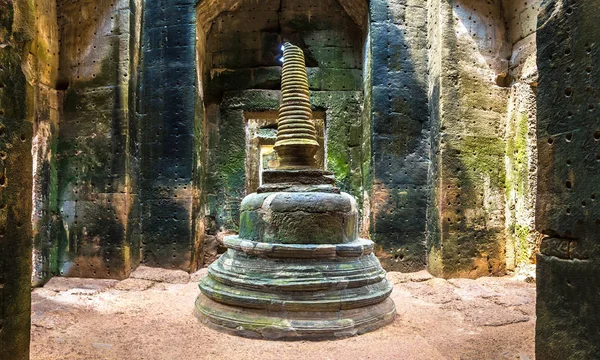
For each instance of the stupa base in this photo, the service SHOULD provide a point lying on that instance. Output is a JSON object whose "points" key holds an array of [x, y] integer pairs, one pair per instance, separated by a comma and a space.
{"points": [[288, 325]]}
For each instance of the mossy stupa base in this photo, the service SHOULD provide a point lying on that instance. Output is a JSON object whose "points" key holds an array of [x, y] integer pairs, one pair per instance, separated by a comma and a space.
{"points": [[285, 325], [297, 270]]}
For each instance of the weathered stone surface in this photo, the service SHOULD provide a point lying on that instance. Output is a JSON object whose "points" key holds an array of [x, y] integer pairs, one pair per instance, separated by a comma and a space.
{"points": [[283, 325], [45, 139], [59, 284], [133, 284], [522, 242], [567, 209], [466, 223], [396, 134], [161, 275], [291, 217], [565, 328], [235, 60], [298, 251], [225, 181], [17, 113], [283, 277], [93, 204], [170, 137]]}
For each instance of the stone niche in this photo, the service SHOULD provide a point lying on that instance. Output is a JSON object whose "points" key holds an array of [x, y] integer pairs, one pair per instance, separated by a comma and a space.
{"points": [[261, 131], [482, 80], [239, 65]]}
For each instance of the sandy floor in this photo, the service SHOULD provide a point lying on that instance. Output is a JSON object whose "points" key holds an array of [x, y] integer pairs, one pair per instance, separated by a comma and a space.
{"points": [[150, 317]]}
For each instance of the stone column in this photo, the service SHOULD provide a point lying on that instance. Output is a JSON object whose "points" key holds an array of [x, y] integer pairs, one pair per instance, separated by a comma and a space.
{"points": [[16, 130], [568, 208], [168, 143], [396, 144], [466, 236], [97, 206]]}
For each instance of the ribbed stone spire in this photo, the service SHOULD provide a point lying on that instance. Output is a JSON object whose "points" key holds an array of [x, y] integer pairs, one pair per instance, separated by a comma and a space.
{"points": [[296, 143]]}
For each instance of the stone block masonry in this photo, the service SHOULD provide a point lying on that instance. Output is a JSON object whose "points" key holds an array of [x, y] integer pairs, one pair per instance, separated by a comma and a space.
{"points": [[567, 210], [167, 120], [522, 241], [240, 69], [466, 236], [142, 144], [95, 197], [16, 131], [396, 140]]}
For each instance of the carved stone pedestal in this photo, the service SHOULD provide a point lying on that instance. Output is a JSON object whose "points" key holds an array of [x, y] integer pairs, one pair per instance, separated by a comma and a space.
{"points": [[298, 269]]}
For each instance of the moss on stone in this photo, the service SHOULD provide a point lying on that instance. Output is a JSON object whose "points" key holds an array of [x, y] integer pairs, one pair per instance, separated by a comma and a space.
{"points": [[522, 246], [517, 156], [483, 157], [16, 121]]}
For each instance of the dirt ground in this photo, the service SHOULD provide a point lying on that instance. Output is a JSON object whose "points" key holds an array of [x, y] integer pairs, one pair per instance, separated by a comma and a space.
{"points": [[150, 316]]}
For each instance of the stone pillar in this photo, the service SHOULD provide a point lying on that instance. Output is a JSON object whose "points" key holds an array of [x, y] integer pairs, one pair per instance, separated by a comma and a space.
{"points": [[522, 242], [16, 130], [45, 140], [96, 197], [396, 133], [568, 208], [297, 270], [467, 44], [167, 126]]}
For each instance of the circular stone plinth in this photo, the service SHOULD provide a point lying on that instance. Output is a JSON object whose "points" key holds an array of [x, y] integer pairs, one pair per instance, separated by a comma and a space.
{"points": [[355, 248], [288, 325]]}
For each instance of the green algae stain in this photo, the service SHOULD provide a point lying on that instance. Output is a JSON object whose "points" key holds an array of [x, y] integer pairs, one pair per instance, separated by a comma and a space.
{"points": [[516, 152], [484, 157], [517, 181], [522, 246]]}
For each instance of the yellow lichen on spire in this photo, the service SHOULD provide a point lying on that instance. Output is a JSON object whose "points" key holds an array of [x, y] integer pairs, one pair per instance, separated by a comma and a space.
{"points": [[296, 143]]}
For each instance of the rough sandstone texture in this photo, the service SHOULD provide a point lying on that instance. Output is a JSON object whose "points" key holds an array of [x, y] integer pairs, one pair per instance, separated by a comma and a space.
{"points": [[522, 242], [482, 174], [281, 279], [141, 149], [170, 162], [97, 207], [114, 164], [396, 133], [567, 210], [467, 230], [17, 113], [48, 105], [240, 70]]}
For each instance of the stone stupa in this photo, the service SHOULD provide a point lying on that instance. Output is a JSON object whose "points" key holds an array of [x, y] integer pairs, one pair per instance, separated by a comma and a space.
{"points": [[297, 270]]}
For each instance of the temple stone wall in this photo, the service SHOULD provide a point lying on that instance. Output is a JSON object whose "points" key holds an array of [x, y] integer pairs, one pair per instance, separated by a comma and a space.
{"points": [[48, 106], [141, 147], [97, 206], [567, 210], [466, 237], [168, 111], [396, 152], [115, 141], [18, 67], [239, 65], [482, 89], [522, 240], [123, 122]]}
